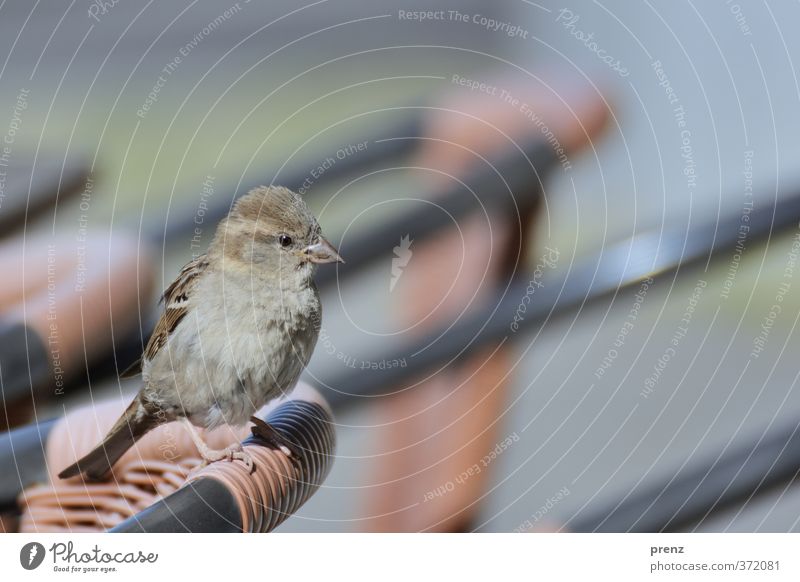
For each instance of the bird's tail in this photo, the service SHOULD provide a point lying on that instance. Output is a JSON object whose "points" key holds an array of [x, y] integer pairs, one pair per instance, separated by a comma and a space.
{"points": [[137, 420]]}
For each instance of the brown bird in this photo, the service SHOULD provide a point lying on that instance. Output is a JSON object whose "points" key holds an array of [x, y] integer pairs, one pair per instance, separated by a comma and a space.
{"points": [[239, 326]]}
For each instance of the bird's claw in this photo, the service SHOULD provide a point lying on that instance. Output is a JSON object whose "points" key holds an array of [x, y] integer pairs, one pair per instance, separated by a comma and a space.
{"points": [[275, 440], [236, 452], [231, 450], [243, 456], [232, 453]]}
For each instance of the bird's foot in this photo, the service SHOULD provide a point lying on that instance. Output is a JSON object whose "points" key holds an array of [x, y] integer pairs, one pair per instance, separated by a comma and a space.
{"points": [[275, 440], [208, 455], [231, 453]]}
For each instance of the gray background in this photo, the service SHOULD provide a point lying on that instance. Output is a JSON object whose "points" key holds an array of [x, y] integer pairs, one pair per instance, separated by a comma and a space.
{"points": [[599, 438]]}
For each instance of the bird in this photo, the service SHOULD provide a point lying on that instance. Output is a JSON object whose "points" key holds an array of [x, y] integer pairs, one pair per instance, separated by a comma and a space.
{"points": [[238, 326]]}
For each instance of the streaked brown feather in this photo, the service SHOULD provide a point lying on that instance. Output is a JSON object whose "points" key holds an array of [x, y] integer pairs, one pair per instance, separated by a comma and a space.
{"points": [[176, 301]]}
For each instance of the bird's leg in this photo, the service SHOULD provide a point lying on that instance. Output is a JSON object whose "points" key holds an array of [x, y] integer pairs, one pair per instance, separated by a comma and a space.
{"points": [[209, 455], [273, 439]]}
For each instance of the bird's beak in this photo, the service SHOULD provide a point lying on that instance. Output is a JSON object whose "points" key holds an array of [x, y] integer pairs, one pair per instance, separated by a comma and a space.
{"points": [[322, 252]]}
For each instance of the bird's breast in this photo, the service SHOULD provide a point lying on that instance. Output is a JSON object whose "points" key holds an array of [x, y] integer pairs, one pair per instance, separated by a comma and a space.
{"points": [[231, 357]]}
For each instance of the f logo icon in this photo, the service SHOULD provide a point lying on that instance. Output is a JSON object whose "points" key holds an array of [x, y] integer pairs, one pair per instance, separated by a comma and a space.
{"points": [[31, 555]]}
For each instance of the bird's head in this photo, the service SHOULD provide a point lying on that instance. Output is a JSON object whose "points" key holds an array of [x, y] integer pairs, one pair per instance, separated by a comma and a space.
{"points": [[271, 229]]}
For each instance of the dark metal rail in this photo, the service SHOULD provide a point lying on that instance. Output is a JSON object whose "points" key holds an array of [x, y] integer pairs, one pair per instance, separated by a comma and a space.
{"points": [[657, 254], [31, 190], [511, 184], [22, 460], [703, 488]]}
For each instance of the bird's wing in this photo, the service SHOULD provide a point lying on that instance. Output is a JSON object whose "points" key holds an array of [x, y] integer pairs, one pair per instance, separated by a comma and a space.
{"points": [[132, 370], [177, 299]]}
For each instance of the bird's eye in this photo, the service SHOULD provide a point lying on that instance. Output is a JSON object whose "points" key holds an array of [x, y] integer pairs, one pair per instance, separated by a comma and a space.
{"points": [[285, 240]]}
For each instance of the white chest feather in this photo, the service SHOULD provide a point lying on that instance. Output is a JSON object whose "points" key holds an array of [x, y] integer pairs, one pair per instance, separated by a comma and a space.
{"points": [[229, 357]]}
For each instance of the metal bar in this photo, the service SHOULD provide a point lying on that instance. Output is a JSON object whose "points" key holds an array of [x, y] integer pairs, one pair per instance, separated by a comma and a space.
{"points": [[511, 183], [24, 362], [705, 487], [29, 190], [205, 506], [22, 459], [737, 475], [613, 268]]}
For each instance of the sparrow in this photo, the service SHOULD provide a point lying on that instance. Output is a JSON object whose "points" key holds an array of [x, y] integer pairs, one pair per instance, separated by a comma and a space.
{"points": [[238, 327]]}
